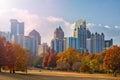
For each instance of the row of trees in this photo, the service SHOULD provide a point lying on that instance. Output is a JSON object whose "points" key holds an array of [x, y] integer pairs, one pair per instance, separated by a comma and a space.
{"points": [[12, 56], [71, 59]]}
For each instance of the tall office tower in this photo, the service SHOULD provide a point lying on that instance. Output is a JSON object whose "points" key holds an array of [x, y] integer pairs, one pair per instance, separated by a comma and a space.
{"points": [[18, 39], [58, 33], [71, 42], [57, 43], [17, 28], [27, 43], [88, 34], [96, 43], [36, 40], [80, 31]]}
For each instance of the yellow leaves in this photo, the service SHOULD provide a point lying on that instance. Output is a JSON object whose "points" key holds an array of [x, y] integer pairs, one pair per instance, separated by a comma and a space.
{"points": [[70, 55]]}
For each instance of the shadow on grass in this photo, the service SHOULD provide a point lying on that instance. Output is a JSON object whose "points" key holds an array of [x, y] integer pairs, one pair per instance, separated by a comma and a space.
{"points": [[23, 76]]}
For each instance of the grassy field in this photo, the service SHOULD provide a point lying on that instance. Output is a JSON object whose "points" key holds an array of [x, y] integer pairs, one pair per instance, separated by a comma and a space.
{"points": [[55, 75]]}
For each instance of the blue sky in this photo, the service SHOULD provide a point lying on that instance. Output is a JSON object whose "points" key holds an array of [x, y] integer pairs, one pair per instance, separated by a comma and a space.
{"points": [[100, 15]]}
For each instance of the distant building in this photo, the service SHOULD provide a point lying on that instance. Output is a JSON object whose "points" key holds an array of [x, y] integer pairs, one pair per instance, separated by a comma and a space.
{"points": [[57, 44], [17, 28], [80, 31], [58, 33], [18, 39], [71, 42], [7, 35], [43, 49], [27, 43], [95, 44], [108, 43], [36, 40]]}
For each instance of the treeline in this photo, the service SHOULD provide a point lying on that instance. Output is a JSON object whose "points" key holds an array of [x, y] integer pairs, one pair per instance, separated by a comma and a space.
{"points": [[12, 56], [72, 60], [15, 58]]}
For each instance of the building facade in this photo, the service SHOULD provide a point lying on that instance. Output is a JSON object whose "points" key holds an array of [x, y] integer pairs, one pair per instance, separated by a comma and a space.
{"points": [[36, 41], [7, 35], [17, 28], [95, 43], [43, 49], [80, 31], [108, 43], [71, 42], [27, 43], [57, 43]]}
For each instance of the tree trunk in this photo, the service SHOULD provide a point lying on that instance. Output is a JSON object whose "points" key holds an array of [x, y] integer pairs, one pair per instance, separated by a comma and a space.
{"points": [[0, 69], [13, 71], [115, 74], [10, 71]]}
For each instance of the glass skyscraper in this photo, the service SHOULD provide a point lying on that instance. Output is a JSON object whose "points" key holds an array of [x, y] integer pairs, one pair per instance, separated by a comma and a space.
{"points": [[57, 43], [36, 41], [80, 32], [17, 28]]}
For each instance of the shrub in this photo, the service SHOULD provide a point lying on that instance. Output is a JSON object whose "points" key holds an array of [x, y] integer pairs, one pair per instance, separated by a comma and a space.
{"points": [[63, 66], [76, 66], [85, 68]]}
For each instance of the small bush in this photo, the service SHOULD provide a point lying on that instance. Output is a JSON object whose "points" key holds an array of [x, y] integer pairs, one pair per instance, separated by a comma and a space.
{"points": [[76, 66], [85, 68], [63, 66]]}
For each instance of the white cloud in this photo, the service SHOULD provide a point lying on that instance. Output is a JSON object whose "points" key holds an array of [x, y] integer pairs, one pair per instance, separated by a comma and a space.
{"points": [[117, 27], [90, 25], [99, 25], [44, 25], [106, 26]]}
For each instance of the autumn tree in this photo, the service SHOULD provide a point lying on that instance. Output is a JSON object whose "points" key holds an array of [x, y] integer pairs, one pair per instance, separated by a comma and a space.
{"points": [[45, 60], [10, 57], [49, 59], [52, 60], [112, 59], [70, 55], [63, 66], [76, 66], [21, 57], [2, 51]]}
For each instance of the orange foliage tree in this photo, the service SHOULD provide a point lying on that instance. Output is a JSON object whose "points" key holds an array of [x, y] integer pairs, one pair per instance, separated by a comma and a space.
{"points": [[70, 55], [112, 59], [20, 56], [10, 57], [2, 51], [49, 59]]}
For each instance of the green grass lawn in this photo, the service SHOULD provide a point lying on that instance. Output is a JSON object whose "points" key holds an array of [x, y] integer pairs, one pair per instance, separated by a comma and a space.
{"points": [[54, 75]]}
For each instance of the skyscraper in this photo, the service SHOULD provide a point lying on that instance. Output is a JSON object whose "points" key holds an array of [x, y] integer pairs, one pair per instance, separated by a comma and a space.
{"points": [[57, 43], [95, 43], [27, 43], [80, 31], [36, 40], [58, 33], [71, 42], [17, 28]]}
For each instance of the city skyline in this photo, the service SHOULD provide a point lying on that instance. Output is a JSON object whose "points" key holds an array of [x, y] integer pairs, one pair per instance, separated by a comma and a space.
{"points": [[45, 16]]}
